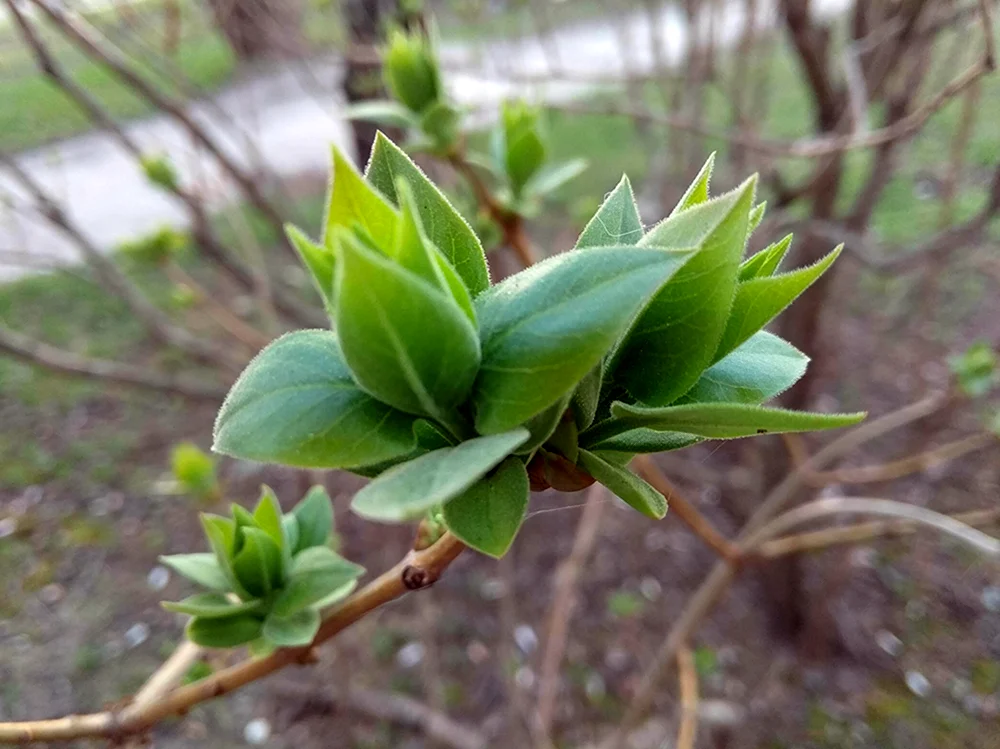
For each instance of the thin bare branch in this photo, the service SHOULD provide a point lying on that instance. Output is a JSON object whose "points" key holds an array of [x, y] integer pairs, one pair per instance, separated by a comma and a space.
{"points": [[688, 678], [168, 675]]}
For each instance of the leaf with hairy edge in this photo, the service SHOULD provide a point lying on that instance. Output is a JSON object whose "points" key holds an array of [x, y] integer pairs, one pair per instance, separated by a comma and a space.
{"points": [[640, 440], [444, 225], [211, 606], [726, 420], [314, 517], [202, 569], [756, 216], [352, 201], [487, 515], [586, 397], [544, 329], [757, 370], [297, 404], [765, 262], [616, 222], [673, 341], [406, 343], [760, 300], [293, 630], [408, 491], [626, 485], [697, 192], [230, 632], [318, 259], [316, 573]]}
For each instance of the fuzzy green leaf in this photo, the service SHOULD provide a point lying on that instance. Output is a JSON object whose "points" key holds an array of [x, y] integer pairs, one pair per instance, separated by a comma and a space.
{"points": [[760, 300], [756, 216], [297, 404], [586, 398], [640, 440], [202, 569], [211, 606], [353, 202], [544, 329], [697, 192], [757, 370], [616, 222], [626, 485], [674, 339], [727, 420], [230, 632], [487, 515], [317, 572], [406, 343], [444, 225], [765, 262], [409, 490], [314, 516], [319, 261], [293, 630]]}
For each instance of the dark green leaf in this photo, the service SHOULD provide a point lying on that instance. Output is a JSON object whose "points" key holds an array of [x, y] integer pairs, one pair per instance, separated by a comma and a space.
{"points": [[587, 397], [202, 569], [757, 370], [697, 192], [541, 426], [211, 606], [639, 440], [444, 225], [230, 632], [409, 490], [674, 339], [760, 300], [318, 259], [544, 329], [314, 514], [353, 202], [487, 515], [293, 630], [626, 485], [616, 222], [316, 573], [297, 404], [765, 262]]}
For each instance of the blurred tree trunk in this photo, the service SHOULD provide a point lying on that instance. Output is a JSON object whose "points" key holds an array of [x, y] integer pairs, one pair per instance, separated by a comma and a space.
{"points": [[261, 29]]}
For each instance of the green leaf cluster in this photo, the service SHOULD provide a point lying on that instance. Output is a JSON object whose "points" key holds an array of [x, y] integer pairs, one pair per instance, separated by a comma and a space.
{"points": [[194, 471], [267, 577], [458, 396]]}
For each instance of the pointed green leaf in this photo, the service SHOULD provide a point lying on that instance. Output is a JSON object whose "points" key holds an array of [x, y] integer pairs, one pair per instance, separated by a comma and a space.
{"points": [[626, 485], [221, 534], [318, 259], [290, 526], [757, 370], [314, 514], [728, 420], [697, 192], [230, 632], [406, 342], [675, 337], [409, 490], [293, 630], [258, 565], [524, 147], [211, 606], [616, 222], [267, 513], [765, 262], [297, 404], [545, 328], [316, 573], [640, 440], [352, 201], [756, 216], [382, 112], [760, 300], [553, 176], [587, 397], [202, 569], [444, 225], [487, 515]]}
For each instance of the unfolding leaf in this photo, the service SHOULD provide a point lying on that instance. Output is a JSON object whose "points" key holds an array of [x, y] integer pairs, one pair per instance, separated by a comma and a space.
{"points": [[267, 513], [616, 222], [211, 606], [487, 515], [202, 568], [221, 534], [229, 632], [314, 516], [382, 111], [697, 192], [411, 489], [319, 261], [765, 262], [626, 485], [550, 178], [760, 300], [639, 440], [258, 565], [727, 420], [524, 147], [756, 216], [757, 370], [406, 343], [316, 573], [587, 397], [353, 202], [675, 337], [293, 630], [545, 328], [444, 225], [297, 404]]}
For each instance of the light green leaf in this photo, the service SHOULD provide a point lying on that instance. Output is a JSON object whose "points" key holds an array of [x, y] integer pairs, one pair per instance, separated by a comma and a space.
{"points": [[545, 328], [550, 178], [221, 534], [444, 225], [258, 565], [293, 630], [487, 515], [230, 632], [406, 342], [756, 216], [202, 569], [674, 338], [319, 261], [697, 192], [314, 516], [727, 420], [408, 491], [760, 300], [636, 441], [268, 515], [290, 526], [626, 485], [211, 606], [616, 222], [316, 573], [587, 397], [353, 202], [765, 262], [757, 370], [524, 147], [297, 404], [382, 111]]}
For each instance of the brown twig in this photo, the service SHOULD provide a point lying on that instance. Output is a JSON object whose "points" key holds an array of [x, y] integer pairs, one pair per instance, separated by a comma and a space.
{"points": [[168, 675], [688, 677]]}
